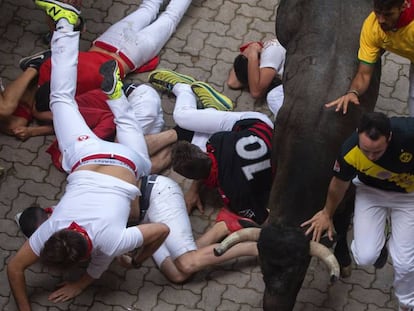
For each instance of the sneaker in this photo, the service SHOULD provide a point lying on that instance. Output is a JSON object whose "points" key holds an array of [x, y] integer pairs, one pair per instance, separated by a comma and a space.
{"points": [[35, 60], [69, 10], [165, 80], [233, 221], [210, 98], [111, 84]]}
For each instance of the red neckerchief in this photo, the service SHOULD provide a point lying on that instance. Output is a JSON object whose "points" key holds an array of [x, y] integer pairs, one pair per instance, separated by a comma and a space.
{"points": [[212, 179], [48, 210], [407, 16], [75, 227], [244, 46]]}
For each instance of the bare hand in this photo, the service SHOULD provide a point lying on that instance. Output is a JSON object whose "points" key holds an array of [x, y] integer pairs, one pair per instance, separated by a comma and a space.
{"points": [[318, 224], [192, 199], [67, 290], [254, 48], [343, 101], [22, 132]]}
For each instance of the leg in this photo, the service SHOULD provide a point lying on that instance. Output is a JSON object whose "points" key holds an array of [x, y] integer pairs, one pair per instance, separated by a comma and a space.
{"points": [[369, 223], [195, 261], [213, 235], [208, 121], [146, 104], [275, 99], [401, 246], [411, 91], [140, 45], [128, 131]]}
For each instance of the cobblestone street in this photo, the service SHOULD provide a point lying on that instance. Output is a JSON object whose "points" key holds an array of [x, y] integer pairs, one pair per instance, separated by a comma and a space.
{"points": [[203, 46]]}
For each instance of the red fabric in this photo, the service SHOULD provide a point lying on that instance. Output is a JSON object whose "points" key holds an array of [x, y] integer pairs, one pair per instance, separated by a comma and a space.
{"points": [[149, 66], [23, 112], [212, 179], [98, 116], [407, 16], [89, 77], [232, 220], [75, 227], [244, 46]]}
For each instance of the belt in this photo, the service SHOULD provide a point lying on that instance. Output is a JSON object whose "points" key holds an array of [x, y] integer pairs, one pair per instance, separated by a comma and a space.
{"points": [[122, 159], [147, 183], [113, 49]]}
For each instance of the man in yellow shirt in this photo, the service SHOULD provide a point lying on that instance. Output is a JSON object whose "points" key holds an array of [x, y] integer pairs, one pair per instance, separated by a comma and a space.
{"points": [[389, 27]]}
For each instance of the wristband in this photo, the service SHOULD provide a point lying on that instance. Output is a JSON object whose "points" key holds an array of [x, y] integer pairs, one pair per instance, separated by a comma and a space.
{"points": [[353, 92]]}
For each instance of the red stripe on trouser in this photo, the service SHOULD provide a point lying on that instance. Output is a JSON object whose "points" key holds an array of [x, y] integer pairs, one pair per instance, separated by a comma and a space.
{"points": [[122, 159]]}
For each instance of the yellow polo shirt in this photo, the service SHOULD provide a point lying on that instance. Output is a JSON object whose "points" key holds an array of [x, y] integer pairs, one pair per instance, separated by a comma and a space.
{"points": [[373, 39]]}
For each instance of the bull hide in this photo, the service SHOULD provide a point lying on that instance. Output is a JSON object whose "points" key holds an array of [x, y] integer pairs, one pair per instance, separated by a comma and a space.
{"points": [[322, 39]]}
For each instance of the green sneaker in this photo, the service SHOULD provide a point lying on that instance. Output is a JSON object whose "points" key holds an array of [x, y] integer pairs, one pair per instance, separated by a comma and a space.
{"points": [[57, 10], [165, 80], [211, 98], [111, 84]]}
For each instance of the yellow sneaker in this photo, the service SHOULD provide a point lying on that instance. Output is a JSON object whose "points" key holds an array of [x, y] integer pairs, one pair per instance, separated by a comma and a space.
{"points": [[58, 10], [211, 98], [111, 84], [165, 80]]}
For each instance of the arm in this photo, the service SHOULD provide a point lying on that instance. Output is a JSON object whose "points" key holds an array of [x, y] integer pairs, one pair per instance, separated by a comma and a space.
{"points": [[69, 290], [322, 220], [25, 132], [24, 258], [259, 78], [358, 87], [9, 99], [192, 197], [154, 235]]}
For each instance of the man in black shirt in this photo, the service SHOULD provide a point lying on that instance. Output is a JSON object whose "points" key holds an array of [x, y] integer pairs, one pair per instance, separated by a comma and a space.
{"points": [[378, 159]]}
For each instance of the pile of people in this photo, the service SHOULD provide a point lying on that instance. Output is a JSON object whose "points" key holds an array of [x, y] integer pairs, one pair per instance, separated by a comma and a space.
{"points": [[111, 143]]}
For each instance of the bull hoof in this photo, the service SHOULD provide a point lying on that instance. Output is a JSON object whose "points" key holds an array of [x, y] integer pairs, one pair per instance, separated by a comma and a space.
{"points": [[346, 271]]}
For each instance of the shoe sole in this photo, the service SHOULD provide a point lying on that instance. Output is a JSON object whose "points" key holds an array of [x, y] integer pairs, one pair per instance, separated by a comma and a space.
{"points": [[109, 71], [57, 10], [164, 85], [207, 93], [23, 62], [64, 6]]}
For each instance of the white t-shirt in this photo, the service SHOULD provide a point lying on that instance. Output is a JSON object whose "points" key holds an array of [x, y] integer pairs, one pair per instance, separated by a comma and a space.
{"points": [[273, 55], [101, 205]]}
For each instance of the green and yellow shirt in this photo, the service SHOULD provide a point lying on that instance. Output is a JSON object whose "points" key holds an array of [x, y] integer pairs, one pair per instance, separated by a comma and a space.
{"points": [[394, 171]]}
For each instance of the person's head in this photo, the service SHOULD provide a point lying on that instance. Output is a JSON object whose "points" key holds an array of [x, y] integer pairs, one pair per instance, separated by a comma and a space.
{"points": [[190, 161], [374, 134], [240, 69], [388, 12], [31, 218], [64, 249]]}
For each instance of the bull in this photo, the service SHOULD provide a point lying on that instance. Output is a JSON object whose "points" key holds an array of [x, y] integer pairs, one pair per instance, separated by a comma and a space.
{"points": [[321, 38]]}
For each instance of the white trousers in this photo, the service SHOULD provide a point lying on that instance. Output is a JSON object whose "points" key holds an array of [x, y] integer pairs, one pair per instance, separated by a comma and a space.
{"points": [[411, 91], [167, 205], [141, 38], [76, 140], [206, 122], [372, 206], [275, 99], [146, 104]]}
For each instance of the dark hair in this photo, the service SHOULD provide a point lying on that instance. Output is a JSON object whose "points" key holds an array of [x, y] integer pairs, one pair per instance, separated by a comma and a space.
{"points": [[240, 69], [375, 125], [31, 218], [42, 97], [386, 5], [64, 249], [190, 161]]}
